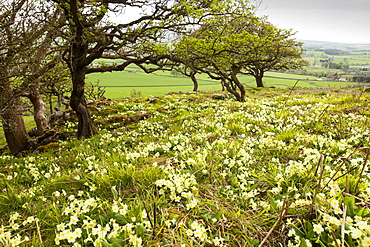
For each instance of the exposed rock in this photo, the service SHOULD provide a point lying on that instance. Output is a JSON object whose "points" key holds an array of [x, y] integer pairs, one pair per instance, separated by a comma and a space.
{"points": [[154, 100], [41, 143], [62, 117], [125, 119], [357, 86], [46, 147]]}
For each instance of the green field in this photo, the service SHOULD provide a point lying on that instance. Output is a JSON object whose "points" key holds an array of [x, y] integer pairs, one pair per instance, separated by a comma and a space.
{"points": [[126, 83]]}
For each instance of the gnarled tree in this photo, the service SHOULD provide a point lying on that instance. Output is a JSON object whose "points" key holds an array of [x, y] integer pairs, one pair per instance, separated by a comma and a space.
{"points": [[276, 50], [90, 35], [25, 41], [10, 103], [227, 46]]}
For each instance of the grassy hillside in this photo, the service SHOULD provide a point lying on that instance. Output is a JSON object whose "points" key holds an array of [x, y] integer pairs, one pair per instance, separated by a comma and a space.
{"points": [[286, 168]]}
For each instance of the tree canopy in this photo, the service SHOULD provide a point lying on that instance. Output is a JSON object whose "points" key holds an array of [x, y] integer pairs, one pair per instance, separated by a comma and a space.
{"points": [[226, 46]]}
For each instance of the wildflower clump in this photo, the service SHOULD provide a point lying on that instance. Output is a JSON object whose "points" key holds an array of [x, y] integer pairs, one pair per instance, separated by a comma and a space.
{"points": [[10, 233], [97, 222], [179, 188]]}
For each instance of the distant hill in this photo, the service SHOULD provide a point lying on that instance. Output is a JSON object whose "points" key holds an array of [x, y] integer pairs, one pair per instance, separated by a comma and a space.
{"points": [[335, 45]]}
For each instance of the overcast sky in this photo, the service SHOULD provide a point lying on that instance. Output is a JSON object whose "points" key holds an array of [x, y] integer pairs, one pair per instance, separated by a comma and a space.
{"points": [[345, 21]]}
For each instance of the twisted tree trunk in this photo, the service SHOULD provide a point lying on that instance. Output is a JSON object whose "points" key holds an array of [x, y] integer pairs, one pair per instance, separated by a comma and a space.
{"points": [[86, 126], [231, 89], [15, 131], [77, 61], [11, 116], [39, 111], [259, 75], [195, 81], [235, 79]]}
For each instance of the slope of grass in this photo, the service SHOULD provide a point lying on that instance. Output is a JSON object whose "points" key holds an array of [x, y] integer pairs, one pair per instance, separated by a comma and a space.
{"points": [[285, 168]]}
